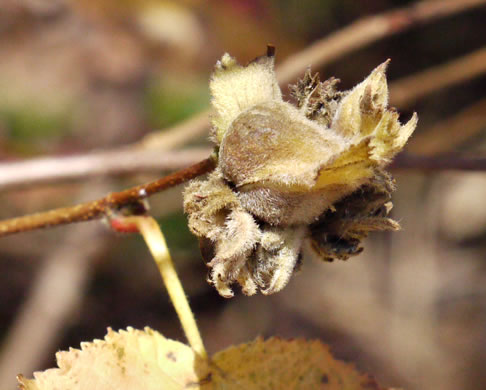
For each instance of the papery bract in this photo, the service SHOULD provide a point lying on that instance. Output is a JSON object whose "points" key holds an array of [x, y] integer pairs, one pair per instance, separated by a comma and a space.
{"points": [[291, 177]]}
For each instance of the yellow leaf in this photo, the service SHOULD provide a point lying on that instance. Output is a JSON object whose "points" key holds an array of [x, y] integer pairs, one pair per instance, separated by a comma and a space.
{"points": [[125, 360], [134, 359], [283, 364]]}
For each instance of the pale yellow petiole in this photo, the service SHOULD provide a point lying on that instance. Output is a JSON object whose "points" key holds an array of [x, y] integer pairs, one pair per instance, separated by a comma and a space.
{"points": [[155, 241]]}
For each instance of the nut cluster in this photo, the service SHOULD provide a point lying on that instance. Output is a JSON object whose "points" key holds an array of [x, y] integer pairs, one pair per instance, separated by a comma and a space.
{"points": [[291, 178]]}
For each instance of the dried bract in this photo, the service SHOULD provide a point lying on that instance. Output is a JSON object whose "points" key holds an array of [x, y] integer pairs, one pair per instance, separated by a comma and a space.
{"points": [[291, 177]]}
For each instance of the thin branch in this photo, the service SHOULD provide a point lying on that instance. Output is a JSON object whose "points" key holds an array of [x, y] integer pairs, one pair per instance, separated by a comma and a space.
{"points": [[451, 132], [113, 162], [101, 207], [367, 30], [451, 162], [355, 36], [408, 89], [188, 129]]}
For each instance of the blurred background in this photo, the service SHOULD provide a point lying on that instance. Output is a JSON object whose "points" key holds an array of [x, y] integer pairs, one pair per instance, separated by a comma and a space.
{"points": [[107, 76]]}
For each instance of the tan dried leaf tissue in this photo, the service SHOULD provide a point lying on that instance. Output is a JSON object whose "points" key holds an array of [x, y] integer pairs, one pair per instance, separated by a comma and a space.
{"points": [[124, 360], [146, 360]]}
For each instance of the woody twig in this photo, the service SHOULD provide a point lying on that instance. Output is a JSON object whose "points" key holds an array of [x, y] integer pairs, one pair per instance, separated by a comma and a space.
{"points": [[101, 207]]}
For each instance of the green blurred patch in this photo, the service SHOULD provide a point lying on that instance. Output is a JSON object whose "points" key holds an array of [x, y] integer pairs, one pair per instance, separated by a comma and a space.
{"points": [[29, 126], [177, 234], [167, 103]]}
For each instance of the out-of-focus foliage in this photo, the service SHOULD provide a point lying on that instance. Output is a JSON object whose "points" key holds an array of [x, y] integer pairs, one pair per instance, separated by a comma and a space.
{"points": [[167, 104]]}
